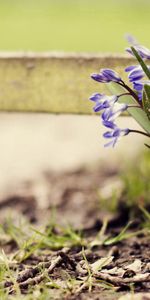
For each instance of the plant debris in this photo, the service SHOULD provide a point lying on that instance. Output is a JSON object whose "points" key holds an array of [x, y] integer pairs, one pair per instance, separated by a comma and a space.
{"points": [[100, 255]]}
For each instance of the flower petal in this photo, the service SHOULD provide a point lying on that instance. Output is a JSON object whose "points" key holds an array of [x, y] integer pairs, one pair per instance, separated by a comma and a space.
{"points": [[111, 75], [96, 97]]}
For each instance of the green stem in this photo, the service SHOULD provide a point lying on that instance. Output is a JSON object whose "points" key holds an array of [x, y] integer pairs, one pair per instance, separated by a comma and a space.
{"points": [[131, 92], [141, 62]]}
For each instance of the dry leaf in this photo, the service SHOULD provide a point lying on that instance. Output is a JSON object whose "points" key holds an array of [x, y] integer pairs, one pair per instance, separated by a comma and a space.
{"points": [[135, 266], [100, 263], [114, 271]]}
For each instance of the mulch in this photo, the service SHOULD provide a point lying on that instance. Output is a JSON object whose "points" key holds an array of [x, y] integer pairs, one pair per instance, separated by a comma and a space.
{"points": [[75, 199]]}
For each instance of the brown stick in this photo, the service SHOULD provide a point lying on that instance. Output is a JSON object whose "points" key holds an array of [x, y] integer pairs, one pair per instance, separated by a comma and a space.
{"points": [[123, 281], [28, 277]]}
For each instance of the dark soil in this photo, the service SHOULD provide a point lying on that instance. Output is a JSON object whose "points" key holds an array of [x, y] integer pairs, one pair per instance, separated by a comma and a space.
{"points": [[73, 199]]}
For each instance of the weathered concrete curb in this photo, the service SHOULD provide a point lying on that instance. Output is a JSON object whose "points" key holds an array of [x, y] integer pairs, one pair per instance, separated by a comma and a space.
{"points": [[52, 82]]}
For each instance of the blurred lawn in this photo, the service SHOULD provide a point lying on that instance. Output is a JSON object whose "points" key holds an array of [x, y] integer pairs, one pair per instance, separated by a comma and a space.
{"points": [[72, 25]]}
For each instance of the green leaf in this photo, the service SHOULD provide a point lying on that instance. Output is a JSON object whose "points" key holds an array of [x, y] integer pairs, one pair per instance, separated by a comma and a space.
{"points": [[138, 114], [146, 100], [141, 62]]}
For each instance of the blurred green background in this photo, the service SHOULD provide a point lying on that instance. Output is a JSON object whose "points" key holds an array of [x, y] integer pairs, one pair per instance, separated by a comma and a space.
{"points": [[72, 25]]}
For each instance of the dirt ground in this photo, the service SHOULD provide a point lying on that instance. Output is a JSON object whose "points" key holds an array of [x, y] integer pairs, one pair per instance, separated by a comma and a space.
{"points": [[100, 270]]}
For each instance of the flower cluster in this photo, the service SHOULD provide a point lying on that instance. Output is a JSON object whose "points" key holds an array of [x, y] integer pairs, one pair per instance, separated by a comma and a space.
{"points": [[139, 94], [111, 110]]}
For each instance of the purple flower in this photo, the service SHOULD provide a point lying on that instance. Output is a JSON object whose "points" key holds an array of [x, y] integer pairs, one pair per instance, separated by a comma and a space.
{"points": [[102, 101], [131, 39], [109, 124], [106, 75], [142, 51], [99, 77], [96, 97], [115, 134], [111, 113], [109, 105], [138, 86], [135, 73], [111, 75]]}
